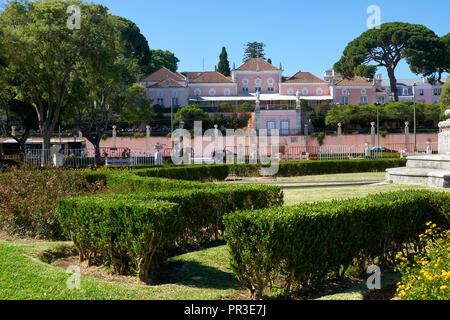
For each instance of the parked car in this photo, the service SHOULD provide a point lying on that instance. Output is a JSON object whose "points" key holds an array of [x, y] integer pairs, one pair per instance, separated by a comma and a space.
{"points": [[382, 150]]}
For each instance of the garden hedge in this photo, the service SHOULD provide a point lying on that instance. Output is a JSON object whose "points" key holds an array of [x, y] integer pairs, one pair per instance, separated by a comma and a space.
{"points": [[300, 245], [199, 208], [120, 231], [286, 169], [307, 168]]}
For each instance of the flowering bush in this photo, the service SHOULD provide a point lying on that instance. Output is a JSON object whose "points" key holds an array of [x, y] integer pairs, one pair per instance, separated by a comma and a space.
{"points": [[427, 277], [28, 199]]}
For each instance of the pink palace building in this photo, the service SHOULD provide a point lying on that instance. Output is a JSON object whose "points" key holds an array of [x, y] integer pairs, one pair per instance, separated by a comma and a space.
{"points": [[262, 84]]}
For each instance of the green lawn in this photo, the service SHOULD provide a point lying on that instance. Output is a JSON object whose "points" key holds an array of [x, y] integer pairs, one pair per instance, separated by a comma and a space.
{"points": [[205, 276]]}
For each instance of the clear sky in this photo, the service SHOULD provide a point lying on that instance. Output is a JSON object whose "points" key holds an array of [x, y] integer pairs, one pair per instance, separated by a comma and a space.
{"points": [[302, 35]]}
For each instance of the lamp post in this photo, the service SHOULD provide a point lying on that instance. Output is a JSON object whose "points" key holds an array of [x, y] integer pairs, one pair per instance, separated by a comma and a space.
{"points": [[415, 122], [378, 126], [171, 122], [181, 138]]}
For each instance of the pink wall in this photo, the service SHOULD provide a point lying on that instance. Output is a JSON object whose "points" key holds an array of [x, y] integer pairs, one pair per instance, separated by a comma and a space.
{"points": [[138, 144], [219, 90], [168, 94], [263, 77], [355, 95], [312, 89]]}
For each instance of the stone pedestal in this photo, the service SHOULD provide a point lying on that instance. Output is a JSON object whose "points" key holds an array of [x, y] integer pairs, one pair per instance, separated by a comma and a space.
{"points": [[430, 170]]}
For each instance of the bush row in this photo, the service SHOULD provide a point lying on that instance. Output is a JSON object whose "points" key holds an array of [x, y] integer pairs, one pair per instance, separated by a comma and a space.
{"points": [[200, 208], [28, 199], [121, 232], [286, 169], [300, 245], [192, 172], [306, 168]]}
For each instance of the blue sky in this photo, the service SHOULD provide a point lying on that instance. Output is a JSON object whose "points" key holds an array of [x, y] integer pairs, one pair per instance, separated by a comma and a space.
{"points": [[302, 35]]}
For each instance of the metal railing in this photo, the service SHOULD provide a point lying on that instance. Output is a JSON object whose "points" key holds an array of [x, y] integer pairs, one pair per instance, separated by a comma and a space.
{"points": [[83, 158]]}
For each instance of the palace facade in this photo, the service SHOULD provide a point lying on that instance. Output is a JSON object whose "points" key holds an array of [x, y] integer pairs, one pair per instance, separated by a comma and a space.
{"points": [[211, 88]]}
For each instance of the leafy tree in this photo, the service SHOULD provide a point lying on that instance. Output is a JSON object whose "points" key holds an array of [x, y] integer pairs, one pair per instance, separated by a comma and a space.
{"points": [[224, 64], [17, 113], [160, 58], [190, 114], [38, 46], [246, 107], [386, 47], [254, 50], [135, 44], [232, 121], [436, 63]]}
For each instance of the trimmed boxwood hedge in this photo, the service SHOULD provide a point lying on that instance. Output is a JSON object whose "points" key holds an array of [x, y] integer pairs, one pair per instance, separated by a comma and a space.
{"points": [[113, 226], [121, 232], [286, 169], [303, 244], [309, 168]]}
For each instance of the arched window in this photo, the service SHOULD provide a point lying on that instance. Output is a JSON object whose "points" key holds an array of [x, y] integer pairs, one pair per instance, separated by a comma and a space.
{"points": [[227, 92], [290, 91], [305, 92], [197, 92], [212, 92], [319, 91]]}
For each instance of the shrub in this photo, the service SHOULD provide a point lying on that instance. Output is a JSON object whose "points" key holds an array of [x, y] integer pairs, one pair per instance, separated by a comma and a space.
{"points": [[120, 232], [203, 209], [28, 199], [297, 246], [427, 277], [306, 168], [194, 172]]}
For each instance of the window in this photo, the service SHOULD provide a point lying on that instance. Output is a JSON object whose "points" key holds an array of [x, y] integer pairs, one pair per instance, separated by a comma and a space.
{"points": [[363, 100], [405, 92], [160, 101], [227, 92], [437, 92], [285, 127], [212, 92], [344, 100], [421, 92], [271, 125], [381, 100], [175, 102], [257, 89], [197, 92], [245, 89], [270, 89]]}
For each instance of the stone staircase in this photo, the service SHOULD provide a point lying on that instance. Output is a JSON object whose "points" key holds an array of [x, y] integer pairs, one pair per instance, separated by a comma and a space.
{"points": [[433, 171]]}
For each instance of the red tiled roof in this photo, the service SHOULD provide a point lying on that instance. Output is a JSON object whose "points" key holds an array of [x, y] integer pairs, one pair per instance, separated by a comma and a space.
{"points": [[207, 77], [257, 64], [304, 77], [162, 74], [356, 81], [168, 83]]}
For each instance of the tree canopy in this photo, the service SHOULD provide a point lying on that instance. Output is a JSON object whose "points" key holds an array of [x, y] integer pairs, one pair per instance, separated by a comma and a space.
{"points": [[40, 48], [160, 58], [254, 50], [224, 65], [386, 47], [135, 44]]}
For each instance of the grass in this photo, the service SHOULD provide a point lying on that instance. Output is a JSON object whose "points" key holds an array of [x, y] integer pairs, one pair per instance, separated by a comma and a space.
{"points": [[205, 276]]}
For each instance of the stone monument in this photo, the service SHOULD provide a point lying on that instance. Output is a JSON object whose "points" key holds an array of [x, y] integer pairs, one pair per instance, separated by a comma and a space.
{"points": [[430, 170]]}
